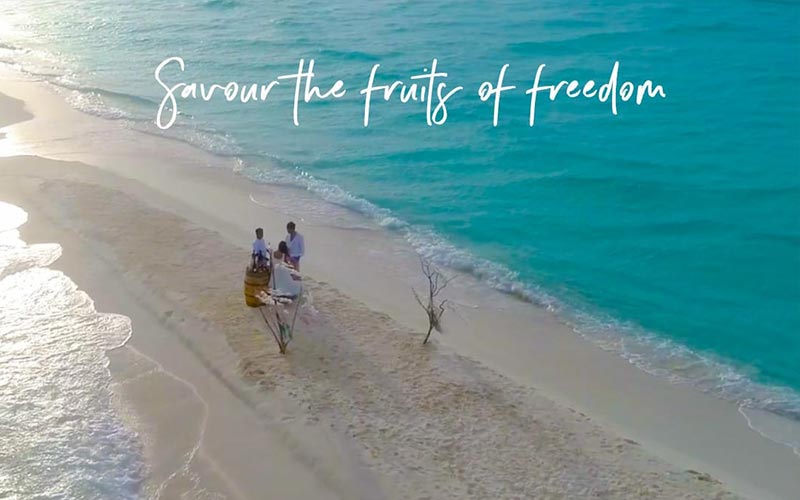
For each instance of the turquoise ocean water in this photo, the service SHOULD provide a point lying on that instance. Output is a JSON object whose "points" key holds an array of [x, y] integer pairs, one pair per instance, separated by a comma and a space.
{"points": [[671, 231]]}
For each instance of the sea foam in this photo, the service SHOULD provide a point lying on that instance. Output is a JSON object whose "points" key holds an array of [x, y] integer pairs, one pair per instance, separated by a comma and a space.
{"points": [[62, 438]]}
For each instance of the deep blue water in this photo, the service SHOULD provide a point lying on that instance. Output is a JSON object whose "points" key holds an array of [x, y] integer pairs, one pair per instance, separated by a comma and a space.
{"points": [[677, 221]]}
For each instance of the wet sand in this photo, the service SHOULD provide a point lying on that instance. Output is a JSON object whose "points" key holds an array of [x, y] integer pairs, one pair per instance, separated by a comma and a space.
{"points": [[508, 404]]}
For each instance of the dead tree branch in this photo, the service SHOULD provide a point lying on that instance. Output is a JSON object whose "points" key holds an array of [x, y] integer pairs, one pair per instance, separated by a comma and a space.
{"points": [[433, 306]]}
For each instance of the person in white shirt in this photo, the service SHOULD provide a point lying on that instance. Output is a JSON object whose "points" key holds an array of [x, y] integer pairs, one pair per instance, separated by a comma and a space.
{"points": [[285, 281], [260, 255], [296, 245]]}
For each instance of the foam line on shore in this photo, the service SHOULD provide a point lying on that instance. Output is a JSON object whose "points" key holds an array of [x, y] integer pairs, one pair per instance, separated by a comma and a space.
{"points": [[651, 352], [233, 205]]}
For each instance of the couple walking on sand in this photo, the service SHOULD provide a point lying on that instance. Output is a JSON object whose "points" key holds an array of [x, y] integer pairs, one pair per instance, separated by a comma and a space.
{"points": [[290, 250]]}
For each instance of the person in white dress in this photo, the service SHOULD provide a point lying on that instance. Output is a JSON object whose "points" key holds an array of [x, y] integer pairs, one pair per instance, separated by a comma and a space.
{"points": [[286, 282]]}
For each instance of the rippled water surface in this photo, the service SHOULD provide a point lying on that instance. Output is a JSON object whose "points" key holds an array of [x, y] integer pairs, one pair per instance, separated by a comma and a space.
{"points": [[61, 436], [669, 233]]}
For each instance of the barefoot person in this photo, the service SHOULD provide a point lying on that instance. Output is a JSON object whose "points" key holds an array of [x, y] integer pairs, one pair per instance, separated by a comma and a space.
{"points": [[296, 245], [260, 255], [286, 282]]}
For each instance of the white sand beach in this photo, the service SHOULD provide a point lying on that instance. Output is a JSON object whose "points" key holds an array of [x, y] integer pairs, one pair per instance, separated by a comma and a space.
{"points": [[507, 403]]}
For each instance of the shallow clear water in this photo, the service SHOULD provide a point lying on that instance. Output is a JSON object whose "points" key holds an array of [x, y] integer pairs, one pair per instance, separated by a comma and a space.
{"points": [[670, 233], [61, 435]]}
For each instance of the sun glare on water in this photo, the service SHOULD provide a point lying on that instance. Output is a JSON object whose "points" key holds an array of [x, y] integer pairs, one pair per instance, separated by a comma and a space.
{"points": [[11, 216], [54, 382]]}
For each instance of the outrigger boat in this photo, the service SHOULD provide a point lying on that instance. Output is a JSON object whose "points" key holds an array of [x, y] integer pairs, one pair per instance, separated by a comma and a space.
{"points": [[278, 310]]}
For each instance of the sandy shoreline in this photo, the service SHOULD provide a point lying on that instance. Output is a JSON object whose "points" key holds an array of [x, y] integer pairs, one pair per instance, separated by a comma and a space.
{"points": [[358, 409], [396, 409]]}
